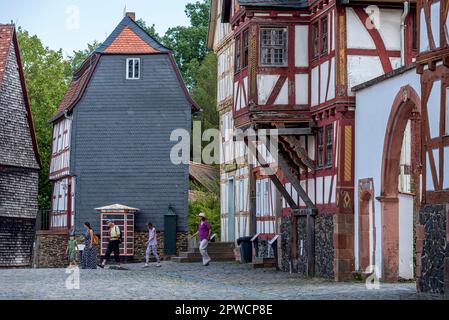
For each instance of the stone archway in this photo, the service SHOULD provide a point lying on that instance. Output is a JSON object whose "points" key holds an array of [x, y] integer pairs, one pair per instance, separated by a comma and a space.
{"points": [[406, 106]]}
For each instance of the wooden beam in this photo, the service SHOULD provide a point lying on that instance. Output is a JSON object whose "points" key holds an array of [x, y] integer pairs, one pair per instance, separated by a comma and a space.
{"points": [[278, 132]]}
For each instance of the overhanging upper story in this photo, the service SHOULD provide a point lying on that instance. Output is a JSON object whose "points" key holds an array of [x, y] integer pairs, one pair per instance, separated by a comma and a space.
{"points": [[293, 61]]}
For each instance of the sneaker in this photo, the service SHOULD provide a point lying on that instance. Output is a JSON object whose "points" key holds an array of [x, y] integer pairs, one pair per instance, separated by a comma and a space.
{"points": [[101, 266], [158, 264], [146, 265]]}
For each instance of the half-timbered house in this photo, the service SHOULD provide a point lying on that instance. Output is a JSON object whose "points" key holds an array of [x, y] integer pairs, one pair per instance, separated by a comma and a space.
{"points": [[19, 157], [433, 224], [290, 66], [111, 135]]}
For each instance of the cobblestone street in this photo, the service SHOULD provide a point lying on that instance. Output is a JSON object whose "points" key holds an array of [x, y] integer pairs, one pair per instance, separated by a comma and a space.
{"points": [[188, 281]]}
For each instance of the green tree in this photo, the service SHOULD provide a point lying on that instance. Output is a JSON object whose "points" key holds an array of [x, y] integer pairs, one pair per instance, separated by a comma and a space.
{"points": [[206, 202], [79, 56], [47, 75], [189, 43], [151, 30]]}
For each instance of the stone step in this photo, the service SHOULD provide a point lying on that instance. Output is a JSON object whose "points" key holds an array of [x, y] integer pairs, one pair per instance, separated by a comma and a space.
{"points": [[263, 263]]}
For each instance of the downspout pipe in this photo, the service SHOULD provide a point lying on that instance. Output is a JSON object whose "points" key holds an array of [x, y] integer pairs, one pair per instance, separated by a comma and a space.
{"points": [[403, 29]]}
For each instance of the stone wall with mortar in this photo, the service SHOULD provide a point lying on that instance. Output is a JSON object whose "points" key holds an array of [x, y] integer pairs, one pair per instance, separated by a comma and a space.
{"points": [[50, 247], [324, 247], [432, 249]]}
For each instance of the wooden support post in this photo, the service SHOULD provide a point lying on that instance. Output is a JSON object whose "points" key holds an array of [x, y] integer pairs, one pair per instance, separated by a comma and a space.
{"points": [[252, 201], [310, 244]]}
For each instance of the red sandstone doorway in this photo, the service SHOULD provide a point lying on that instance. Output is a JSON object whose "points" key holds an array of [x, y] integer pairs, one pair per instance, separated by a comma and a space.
{"points": [[398, 208]]}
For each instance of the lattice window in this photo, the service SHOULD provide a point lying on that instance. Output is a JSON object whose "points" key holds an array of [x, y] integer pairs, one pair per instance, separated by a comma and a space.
{"points": [[133, 68], [238, 54], [273, 46], [329, 144], [315, 40], [324, 36], [245, 49]]}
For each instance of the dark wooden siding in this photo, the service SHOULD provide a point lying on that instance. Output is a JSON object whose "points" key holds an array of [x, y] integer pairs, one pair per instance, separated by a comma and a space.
{"points": [[121, 142]]}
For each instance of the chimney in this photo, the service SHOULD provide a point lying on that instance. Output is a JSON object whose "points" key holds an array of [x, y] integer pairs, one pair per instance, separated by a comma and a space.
{"points": [[132, 15]]}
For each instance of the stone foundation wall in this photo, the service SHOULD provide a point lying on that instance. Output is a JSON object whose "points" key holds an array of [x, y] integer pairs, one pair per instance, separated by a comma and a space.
{"points": [[284, 253], [50, 248], [140, 239], [16, 241], [432, 249], [324, 247]]}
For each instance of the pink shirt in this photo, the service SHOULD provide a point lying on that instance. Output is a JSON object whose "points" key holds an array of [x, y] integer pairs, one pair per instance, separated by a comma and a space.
{"points": [[203, 230]]}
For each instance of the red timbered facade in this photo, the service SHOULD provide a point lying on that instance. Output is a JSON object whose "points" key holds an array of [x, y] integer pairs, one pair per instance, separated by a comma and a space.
{"points": [[295, 63], [433, 67]]}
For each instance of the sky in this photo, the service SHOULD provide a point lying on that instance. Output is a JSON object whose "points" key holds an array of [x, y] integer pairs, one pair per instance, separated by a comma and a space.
{"points": [[71, 24]]}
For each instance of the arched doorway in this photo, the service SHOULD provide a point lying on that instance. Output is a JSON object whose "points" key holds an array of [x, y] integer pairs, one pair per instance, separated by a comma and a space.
{"points": [[406, 111]]}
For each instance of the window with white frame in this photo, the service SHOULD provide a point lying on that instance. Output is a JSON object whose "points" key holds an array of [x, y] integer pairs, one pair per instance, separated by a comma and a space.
{"points": [[242, 195], [133, 68], [273, 46]]}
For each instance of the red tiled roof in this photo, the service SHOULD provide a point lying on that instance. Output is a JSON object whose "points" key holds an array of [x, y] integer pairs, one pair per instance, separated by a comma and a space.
{"points": [[6, 34], [128, 42], [76, 88]]}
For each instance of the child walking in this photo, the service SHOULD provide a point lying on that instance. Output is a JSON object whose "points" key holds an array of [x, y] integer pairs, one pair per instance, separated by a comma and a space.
{"points": [[152, 245], [71, 251]]}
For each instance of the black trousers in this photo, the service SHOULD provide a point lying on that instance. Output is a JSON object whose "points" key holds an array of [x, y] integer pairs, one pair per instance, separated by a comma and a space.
{"points": [[113, 246]]}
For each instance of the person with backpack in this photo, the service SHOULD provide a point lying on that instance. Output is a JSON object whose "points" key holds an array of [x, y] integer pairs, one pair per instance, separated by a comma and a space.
{"points": [[115, 237], [89, 256]]}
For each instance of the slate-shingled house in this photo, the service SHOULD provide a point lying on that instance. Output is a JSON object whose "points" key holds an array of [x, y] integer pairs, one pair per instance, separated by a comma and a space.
{"points": [[111, 137], [19, 157]]}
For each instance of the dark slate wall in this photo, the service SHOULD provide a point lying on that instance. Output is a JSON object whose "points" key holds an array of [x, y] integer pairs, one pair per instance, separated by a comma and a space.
{"points": [[121, 142], [16, 148], [16, 241]]}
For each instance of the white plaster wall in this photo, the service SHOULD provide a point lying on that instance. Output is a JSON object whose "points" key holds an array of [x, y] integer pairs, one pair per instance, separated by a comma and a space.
{"points": [[357, 35], [301, 46], [282, 97], [429, 180], [371, 116], [265, 84], [302, 88], [319, 190], [390, 28], [362, 69], [446, 168], [331, 92], [315, 84], [433, 108], [406, 236], [435, 22], [324, 75], [423, 38]]}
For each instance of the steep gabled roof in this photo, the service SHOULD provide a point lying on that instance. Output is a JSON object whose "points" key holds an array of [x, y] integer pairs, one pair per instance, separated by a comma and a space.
{"points": [[295, 4], [127, 38], [7, 37], [6, 34]]}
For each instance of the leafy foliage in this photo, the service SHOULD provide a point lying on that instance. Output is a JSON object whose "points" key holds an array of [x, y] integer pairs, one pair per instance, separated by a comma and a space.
{"points": [[79, 56], [47, 75], [206, 202]]}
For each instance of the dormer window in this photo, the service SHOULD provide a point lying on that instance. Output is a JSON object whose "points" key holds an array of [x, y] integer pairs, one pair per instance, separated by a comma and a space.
{"points": [[133, 68]]}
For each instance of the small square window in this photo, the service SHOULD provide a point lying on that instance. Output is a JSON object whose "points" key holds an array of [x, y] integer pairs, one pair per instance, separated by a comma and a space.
{"points": [[133, 68]]}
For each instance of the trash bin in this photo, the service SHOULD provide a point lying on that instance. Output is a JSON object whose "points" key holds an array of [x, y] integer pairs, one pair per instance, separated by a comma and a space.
{"points": [[246, 250]]}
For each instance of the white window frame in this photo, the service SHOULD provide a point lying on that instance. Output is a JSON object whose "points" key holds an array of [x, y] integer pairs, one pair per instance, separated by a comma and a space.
{"points": [[133, 65]]}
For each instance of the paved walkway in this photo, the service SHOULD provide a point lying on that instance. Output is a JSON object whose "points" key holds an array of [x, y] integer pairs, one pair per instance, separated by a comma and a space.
{"points": [[186, 281]]}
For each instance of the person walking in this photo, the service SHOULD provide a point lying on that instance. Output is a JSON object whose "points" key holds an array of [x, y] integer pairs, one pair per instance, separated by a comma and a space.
{"points": [[204, 233], [113, 245], [71, 251], [152, 245], [89, 255]]}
